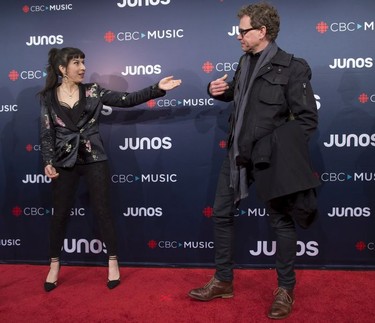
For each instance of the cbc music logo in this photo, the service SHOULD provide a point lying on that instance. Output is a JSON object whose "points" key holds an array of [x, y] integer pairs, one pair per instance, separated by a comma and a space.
{"points": [[47, 8], [365, 98], [15, 75], [322, 27], [11, 242], [142, 3], [257, 212], [85, 246], [145, 143], [350, 140], [126, 36], [143, 212], [176, 103], [17, 211], [344, 177], [9, 108], [167, 244], [362, 246], [268, 248], [208, 67], [350, 212], [143, 178]]}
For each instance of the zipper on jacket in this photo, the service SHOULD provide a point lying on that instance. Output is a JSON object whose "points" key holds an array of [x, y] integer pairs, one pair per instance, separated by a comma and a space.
{"points": [[304, 96]]}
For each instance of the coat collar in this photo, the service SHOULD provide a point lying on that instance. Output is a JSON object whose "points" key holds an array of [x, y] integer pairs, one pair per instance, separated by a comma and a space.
{"points": [[281, 58]]}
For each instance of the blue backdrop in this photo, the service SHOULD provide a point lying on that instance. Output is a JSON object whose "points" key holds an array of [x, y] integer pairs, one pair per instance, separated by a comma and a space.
{"points": [[165, 155]]}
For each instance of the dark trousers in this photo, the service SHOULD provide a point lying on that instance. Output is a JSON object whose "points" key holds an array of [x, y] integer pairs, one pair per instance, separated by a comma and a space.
{"points": [[223, 217], [64, 188]]}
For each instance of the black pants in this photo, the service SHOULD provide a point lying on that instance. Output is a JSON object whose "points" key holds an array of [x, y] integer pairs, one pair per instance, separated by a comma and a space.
{"points": [[224, 210], [64, 189]]}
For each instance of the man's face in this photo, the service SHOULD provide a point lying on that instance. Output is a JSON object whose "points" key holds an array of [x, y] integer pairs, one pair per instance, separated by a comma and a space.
{"points": [[252, 40]]}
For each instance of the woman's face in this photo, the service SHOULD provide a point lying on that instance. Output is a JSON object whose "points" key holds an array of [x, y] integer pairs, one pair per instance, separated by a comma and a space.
{"points": [[75, 71]]}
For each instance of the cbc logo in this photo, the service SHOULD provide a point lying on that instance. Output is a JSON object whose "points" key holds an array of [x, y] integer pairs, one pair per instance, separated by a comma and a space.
{"points": [[26, 75], [335, 177], [350, 26], [226, 67]]}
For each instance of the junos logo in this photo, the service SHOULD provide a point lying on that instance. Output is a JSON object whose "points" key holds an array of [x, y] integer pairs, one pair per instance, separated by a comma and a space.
{"points": [[310, 248], [94, 246], [36, 179], [142, 70], [45, 40], [143, 212], [146, 143], [142, 3], [350, 140], [343, 63], [350, 212]]}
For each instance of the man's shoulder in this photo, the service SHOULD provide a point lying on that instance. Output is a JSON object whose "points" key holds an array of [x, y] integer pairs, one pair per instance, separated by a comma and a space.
{"points": [[289, 59]]}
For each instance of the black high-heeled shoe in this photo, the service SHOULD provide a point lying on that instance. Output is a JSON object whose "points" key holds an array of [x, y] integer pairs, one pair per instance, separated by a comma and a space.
{"points": [[113, 283], [51, 286]]}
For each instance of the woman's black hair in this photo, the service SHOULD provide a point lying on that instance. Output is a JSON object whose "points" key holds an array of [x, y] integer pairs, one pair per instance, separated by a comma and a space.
{"points": [[57, 57]]}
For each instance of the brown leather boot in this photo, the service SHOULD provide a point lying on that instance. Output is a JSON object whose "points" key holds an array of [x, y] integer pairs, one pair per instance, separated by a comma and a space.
{"points": [[213, 289], [282, 304]]}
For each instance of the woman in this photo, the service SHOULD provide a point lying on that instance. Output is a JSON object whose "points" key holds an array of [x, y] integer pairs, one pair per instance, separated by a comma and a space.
{"points": [[72, 147]]}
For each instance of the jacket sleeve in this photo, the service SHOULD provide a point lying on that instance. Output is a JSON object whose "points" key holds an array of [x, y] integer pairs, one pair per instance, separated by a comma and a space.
{"points": [[300, 96], [127, 100], [47, 135]]}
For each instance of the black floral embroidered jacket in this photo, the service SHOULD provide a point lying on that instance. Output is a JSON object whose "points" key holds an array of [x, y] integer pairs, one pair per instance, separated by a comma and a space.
{"points": [[63, 143]]}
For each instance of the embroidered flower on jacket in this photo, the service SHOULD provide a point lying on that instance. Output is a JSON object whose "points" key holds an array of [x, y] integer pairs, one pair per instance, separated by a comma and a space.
{"points": [[46, 121], [88, 146], [60, 122], [92, 91], [68, 147]]}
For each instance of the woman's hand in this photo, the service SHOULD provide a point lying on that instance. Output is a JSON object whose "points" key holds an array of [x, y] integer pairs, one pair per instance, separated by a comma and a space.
{"points": [[168, 83], [50, 172]]}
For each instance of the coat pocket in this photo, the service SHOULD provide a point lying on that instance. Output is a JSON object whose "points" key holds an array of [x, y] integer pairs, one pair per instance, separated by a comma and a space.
{"points": [[272, 90]]}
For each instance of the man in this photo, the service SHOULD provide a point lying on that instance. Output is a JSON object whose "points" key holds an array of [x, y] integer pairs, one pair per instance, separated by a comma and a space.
{"points": [[275, 113]]}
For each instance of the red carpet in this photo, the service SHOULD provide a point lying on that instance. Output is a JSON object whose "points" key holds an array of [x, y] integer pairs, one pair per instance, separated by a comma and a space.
{"points": [[160, 295]]}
